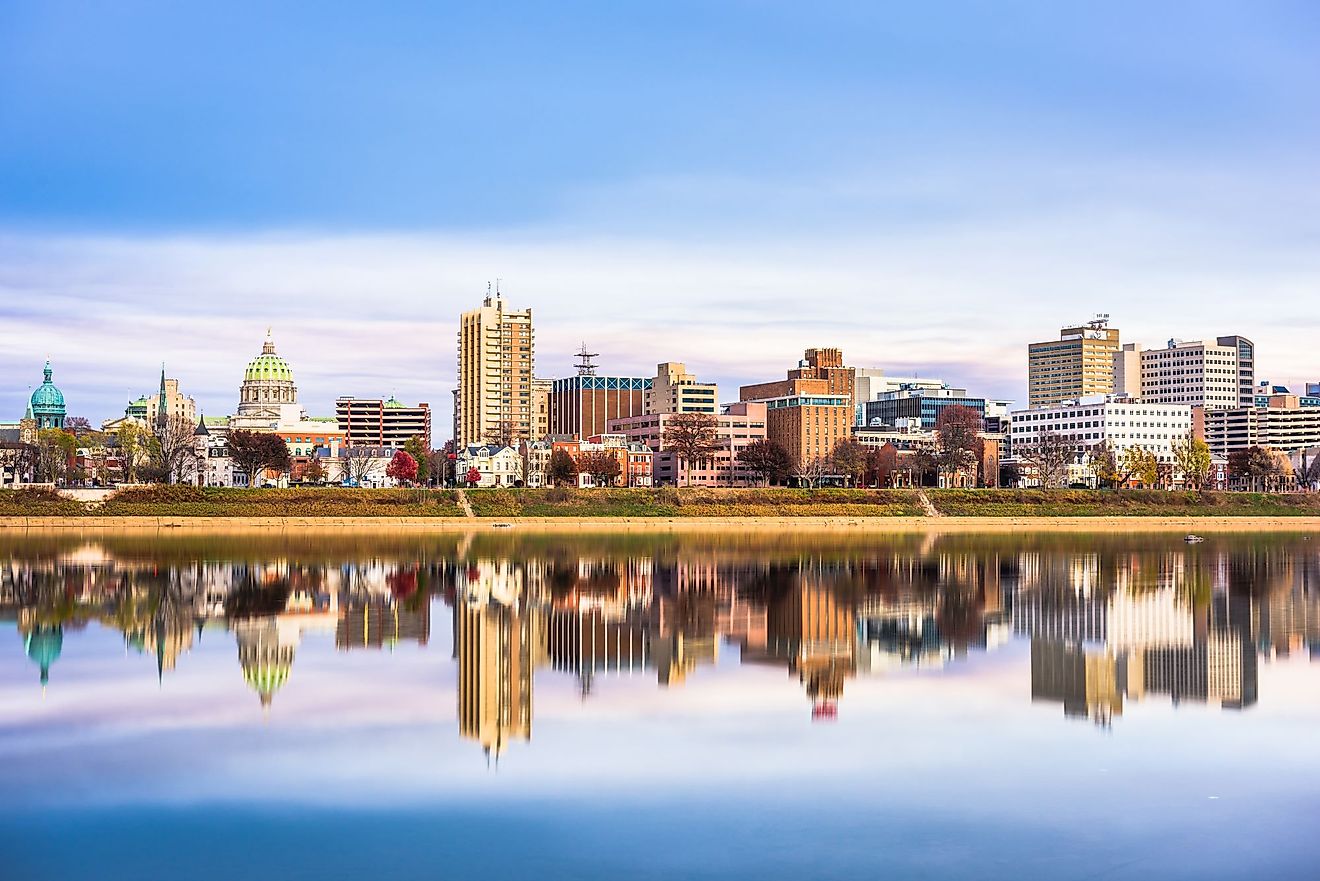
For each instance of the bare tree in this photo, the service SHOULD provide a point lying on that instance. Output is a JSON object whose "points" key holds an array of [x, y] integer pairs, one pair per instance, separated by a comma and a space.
{"points": [[692, 437], [502, 434], [359, 464], [810, 471], [1308, 469], [172, 450], [1048, 459]]}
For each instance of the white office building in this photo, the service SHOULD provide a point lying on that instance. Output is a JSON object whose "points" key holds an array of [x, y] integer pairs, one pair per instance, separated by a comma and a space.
{"points": [[1122, 422], [1217, 376]]}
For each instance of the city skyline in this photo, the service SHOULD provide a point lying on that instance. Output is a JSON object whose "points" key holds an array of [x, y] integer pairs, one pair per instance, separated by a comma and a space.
{"points": [[320, 400], [660, 185]]}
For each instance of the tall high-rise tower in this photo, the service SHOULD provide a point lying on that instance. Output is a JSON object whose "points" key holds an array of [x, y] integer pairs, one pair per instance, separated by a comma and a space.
{"points": [[1078, 364], [495, 351]]}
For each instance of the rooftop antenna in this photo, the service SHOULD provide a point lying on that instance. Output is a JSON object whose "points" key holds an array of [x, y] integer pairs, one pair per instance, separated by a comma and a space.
{"points": [[584, 365], [497, 288], [488, 293]]}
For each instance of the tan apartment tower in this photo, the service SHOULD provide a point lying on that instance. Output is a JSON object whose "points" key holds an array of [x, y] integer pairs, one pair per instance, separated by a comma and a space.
{"points": [[495, 352], [1080, 363]]}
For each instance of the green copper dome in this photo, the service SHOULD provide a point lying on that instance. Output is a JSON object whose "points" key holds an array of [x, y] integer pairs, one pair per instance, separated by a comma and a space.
{"points": [[393, 403], [268, 366], [48, 399], [47, 404]]}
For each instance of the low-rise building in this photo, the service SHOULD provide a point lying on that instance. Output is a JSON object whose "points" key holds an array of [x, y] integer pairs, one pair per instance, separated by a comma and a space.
{"points": [[497, 464], [737, 426], [536, 462], [583, 405], [382, 423], [307, 435], [1266, 390], [1283, 423], [214, 465], [636, 460], [1119, 422], [919, 401]]}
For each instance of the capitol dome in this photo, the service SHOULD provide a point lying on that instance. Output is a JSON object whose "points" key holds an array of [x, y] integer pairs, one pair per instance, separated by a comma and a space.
{"points": [[268, 366], [48, 403], [267, 395]]}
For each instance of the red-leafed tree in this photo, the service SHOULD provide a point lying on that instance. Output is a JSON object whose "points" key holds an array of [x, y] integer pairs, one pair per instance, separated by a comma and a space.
{"points": [[402, 467], [473, 476]]}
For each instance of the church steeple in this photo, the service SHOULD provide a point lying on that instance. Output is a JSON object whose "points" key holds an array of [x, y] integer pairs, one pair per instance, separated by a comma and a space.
{"points": [[162, 405]]}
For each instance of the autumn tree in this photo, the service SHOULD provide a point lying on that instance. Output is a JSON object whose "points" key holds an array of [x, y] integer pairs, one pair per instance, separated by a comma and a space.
{"points": [[881, 463], [1282, 475], [1104, 465], [402, 467], [563, 468], [1142, 464], [133, 450], [314, 472], [603, 467], [809, 471], [1192, 456], [473, 476], [692, 437], [849, 458], [417, 447], [766, 459], [256, 452]]}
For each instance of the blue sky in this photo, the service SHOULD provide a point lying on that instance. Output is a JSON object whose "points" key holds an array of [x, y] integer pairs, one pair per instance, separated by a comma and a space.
{"points": [[929, 186]]}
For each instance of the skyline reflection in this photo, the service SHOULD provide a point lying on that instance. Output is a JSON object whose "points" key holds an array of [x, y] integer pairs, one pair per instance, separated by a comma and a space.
{"points": [[1106, 623]]}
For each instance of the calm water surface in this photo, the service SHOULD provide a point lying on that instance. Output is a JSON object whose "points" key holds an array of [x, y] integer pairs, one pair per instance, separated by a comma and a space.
{"points": [[521, 706]]}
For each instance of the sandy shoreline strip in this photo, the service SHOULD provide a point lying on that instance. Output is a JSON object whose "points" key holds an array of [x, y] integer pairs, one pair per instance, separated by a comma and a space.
{"points": [[660, 524]]}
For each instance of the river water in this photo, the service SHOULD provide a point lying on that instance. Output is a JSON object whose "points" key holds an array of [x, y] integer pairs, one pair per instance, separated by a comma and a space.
{"points": [[511, 705]]}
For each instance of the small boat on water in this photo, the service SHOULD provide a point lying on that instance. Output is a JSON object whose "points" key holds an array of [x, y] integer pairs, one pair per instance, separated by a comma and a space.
{"points": [[1193, 539]]}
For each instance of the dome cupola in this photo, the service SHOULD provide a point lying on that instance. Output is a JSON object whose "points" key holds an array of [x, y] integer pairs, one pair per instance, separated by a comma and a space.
{"points": [[268, 366], [47, 404]]}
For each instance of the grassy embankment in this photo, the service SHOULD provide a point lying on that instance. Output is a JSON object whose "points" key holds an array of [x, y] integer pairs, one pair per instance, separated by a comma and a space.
{"points": [[1125, 503], [192, 501], [693, 502], [666, 502]]}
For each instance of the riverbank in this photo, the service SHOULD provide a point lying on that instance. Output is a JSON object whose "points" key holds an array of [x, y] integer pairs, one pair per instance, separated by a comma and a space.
{"points": [[760, 525], [176, 506]]}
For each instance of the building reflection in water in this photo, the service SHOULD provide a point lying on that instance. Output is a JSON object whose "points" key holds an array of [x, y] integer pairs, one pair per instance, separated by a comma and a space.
{"points": [[1104, 628], [1167, 630]]}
